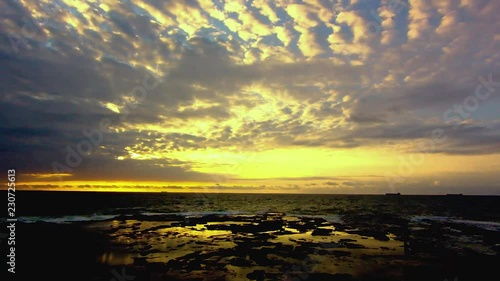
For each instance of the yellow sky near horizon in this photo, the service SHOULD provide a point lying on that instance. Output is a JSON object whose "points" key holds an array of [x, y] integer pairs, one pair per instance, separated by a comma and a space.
{"points": [[279, 171]]}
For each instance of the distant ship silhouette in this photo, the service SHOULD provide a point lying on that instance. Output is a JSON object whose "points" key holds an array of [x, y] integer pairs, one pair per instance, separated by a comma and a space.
{"points": [[393, 194]]}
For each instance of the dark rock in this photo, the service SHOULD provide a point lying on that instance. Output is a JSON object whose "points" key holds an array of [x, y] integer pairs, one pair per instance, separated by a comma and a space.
{"points": [[321, 232], [140, 261], [340, 253], [346, 240], [240, 262], [323, 252], [353, 246], [371, 233], [330, 277], [257, 275]]}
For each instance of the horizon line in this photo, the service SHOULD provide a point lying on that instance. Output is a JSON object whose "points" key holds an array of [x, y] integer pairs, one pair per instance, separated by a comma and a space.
{"points": [[261, 193]]}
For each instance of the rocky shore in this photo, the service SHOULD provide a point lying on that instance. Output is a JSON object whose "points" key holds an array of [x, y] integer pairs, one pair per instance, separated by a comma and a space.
{"points": [[270, 246]]}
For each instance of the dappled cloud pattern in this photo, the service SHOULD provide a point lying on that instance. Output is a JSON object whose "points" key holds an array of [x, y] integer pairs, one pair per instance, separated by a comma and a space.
{"points": [[253, 95]]}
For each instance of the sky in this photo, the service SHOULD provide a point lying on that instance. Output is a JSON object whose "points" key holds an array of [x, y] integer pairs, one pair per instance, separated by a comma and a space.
{"points": [[294, 96]]}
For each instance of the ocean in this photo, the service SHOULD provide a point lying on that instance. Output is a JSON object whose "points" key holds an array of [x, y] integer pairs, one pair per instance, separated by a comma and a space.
{"points": [[74, 206]]}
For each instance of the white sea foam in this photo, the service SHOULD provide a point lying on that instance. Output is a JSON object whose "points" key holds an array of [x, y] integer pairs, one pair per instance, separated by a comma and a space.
{"points": [[66, 219], [488, 225], [331, 218]]}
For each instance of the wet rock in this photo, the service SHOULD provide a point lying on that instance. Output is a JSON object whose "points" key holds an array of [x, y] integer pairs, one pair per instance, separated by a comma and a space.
{"points": [[302, 226], [371, 233], [274, 215], [321, 232], [240, 262], [330, 245], [330, 277], [157, 267], [140, 261], [346, 240], [340, 253], [353, 246], [163, 226], [256, 275], [322, 252]]}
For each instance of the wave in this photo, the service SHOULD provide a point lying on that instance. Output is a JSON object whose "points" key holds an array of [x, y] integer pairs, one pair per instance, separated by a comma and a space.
{"points": [[487, 225], [67, 219], [103, 217]]}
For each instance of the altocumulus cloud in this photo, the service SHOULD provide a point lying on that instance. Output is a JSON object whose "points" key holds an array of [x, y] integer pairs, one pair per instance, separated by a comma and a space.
{"points": [[239, 77]]}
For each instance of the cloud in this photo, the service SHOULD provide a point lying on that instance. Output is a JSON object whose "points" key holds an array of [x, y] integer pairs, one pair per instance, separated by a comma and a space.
{"points": [[238, 76]]}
